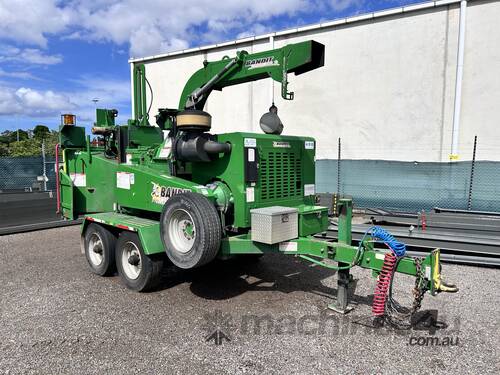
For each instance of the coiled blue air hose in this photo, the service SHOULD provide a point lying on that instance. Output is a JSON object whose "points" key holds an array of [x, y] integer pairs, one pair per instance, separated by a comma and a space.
{"points": [[397, 247]]}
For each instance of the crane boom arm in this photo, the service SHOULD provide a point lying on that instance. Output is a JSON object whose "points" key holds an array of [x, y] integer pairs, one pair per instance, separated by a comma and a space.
{"points": [[293, 58]]}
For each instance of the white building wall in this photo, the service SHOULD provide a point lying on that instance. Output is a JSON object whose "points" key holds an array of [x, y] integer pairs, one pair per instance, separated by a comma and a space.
{"points": [[481, 84], [387, 87]]}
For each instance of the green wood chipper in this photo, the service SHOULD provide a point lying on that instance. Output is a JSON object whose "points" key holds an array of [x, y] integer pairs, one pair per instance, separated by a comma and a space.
{"points": [[176, 192]]}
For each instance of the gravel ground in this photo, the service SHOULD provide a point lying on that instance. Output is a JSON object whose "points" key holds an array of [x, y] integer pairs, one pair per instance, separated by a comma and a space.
{"points": [[57, 317]]}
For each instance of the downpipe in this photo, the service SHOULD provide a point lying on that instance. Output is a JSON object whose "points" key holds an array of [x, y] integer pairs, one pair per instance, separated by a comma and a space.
{"points": [[455, 136]]}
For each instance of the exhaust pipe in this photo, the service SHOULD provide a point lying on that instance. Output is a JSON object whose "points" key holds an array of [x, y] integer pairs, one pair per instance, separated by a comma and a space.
{"points": [[199, 147]]}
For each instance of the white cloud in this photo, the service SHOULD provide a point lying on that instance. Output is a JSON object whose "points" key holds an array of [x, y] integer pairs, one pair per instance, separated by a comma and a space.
{"points": [[35, 56], [33, 103], [27, 56], [145, 26], [148, 40], [30, 21], [30, 102], [255, 29], [43, 100], [110, 92], [148, 26], [154, 26], [18, 75], [344, 4]]}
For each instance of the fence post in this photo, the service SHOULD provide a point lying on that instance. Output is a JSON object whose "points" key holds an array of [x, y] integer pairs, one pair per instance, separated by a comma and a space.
{"points": [[473, 163], [336, 196], [338, 167], [44, 167]]}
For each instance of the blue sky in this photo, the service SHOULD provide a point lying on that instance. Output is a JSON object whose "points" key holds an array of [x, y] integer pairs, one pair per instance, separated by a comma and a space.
{"points": [[58, 55]]}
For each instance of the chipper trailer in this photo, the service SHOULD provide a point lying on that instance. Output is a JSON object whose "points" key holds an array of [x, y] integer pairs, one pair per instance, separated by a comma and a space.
{"points": [[174, 191]]}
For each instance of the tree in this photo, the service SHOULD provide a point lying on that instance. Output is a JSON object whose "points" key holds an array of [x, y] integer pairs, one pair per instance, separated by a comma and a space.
{"points": [[9, 136], [50, 143], [41, 132], [4, 149], [27, 147], [5, 136]]}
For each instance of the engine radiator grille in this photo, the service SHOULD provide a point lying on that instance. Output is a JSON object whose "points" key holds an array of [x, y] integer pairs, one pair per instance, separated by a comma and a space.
{"points": [[280, 175]]}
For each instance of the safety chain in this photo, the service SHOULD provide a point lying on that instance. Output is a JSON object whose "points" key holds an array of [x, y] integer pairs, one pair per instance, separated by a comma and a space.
{"points": [[420, 287], [399, 316]]}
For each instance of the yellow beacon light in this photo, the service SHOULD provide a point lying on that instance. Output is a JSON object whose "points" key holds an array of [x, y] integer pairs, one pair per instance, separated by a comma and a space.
{"points": [[68, 119]]}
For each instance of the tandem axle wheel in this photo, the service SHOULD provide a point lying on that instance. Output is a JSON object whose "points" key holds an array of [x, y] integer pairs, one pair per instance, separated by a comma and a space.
{"points": [[138, 271]]}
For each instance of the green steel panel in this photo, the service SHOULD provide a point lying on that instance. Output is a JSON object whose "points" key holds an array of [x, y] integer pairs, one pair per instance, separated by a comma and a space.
{"points": [[71, 136], [148, 188], [114, 218], [144, 135], [92, 181], [66, 195], [345, 221], [285, 166], [148, 230], [104, 184], [312, 220]]}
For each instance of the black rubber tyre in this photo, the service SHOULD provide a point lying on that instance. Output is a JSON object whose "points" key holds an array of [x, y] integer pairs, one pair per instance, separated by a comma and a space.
{"points": [[190, 229], [138, 271], [99, 244]]}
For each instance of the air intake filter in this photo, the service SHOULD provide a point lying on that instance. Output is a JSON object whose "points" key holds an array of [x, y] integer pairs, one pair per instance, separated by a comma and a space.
{"points": [[193, 119]]}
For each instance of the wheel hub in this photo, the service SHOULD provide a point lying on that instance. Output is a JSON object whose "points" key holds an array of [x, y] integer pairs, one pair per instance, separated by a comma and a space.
{"points": [[131, 261], [188, 229], [181, 230], [96, 249], [134, 259]]}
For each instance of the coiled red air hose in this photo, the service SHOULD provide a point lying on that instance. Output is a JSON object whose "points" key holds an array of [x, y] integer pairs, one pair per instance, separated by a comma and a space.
{"points": [[383, 282]]}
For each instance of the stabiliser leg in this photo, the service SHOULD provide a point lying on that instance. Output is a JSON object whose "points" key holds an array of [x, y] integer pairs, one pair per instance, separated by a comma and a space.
{"points": [[343, 282], [344, 277]]}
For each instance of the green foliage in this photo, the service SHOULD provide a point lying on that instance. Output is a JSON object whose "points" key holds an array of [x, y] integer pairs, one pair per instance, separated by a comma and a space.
{"points": [[4, 149], [41, 132], [28, 147], [50, 143], [30, 142], [9, 136]]}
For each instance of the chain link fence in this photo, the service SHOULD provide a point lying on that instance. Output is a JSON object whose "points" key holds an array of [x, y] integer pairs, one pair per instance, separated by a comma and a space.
{"points": [[389, 185], [413, 186], [34, 173]]}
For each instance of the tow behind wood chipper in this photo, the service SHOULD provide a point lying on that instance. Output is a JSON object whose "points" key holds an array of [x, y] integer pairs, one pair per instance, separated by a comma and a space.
{"points": [[192, 196]]}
